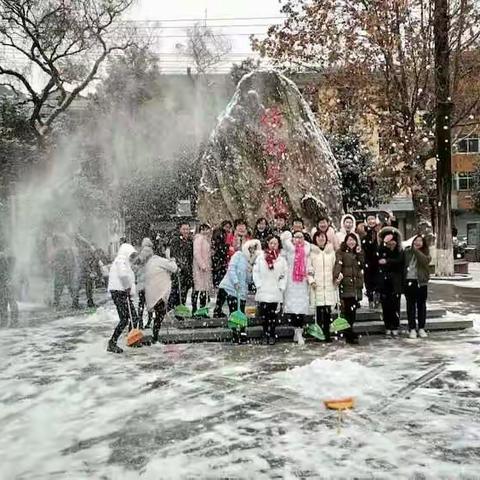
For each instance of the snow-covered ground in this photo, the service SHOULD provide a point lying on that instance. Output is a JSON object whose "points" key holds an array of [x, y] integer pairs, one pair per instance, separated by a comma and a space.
{"points": [[214, 411], [473, 270]]}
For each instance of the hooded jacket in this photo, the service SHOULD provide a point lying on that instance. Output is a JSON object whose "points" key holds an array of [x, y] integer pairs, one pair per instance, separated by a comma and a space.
{"points": [[350, 264], [342, 233], [240, 270], [390, 274], [121, 276], [158, 283]]}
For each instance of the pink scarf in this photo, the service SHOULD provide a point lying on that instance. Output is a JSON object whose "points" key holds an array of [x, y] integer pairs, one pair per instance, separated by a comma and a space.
{"points": [[299, 265]]}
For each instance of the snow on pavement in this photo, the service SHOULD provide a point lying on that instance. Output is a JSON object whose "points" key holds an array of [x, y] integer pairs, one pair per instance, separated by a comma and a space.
{"points": [[71, 410]]}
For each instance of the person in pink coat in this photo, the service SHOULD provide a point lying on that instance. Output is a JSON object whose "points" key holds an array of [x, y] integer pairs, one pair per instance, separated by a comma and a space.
{"points": [[202, 266]]}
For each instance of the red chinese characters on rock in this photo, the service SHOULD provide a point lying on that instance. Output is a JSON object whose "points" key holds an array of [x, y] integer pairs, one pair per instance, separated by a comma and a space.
{"points": [[275, 147]]}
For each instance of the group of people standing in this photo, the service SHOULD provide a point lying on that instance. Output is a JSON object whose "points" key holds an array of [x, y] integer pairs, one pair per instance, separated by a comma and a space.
{"points": [[289, 269]]}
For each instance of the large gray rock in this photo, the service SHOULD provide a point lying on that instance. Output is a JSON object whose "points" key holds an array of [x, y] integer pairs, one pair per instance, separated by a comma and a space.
{"points": [[266, 154]]}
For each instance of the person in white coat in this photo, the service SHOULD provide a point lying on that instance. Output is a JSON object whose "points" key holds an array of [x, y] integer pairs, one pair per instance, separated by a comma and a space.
{"points": [[121, 285], [296, 300], [324, 292], [347, 225], [270, 278], [158, 286]]}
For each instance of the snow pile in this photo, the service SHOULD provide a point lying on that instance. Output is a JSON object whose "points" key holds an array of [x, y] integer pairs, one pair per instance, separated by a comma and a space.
{"points": [[329, 379]]}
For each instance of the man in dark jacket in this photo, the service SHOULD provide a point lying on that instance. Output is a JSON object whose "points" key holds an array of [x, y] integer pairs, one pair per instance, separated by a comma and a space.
{"points": [[7, 291], [369, 238], [299, 226], [181, 249], [390, 277]]}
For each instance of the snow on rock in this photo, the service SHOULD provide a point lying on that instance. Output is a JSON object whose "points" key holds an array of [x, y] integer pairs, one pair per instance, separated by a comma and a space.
{"points": [[268, 126]]}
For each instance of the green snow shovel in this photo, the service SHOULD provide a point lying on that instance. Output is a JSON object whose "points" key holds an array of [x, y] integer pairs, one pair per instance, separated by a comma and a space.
{"points": [[237, 319], [314, 330], [181, 311], [202, 312]]}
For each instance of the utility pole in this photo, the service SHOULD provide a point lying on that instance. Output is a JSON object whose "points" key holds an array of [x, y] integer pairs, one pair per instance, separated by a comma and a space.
{"points": [[444, 106]]}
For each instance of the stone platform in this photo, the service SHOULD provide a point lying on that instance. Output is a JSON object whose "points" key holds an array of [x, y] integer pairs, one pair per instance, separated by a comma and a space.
{"points": [[369, 322]]}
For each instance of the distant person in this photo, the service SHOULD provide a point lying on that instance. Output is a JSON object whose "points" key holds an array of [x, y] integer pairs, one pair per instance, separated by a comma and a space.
{"points": [[202, 267], [240, 235], [348, 275], [65, 272], [296, 302], [222, 238], [89, 267], [347, 225], [158, 284], [180, 249], [8, 299], [390, 277], [146, 252], [416, 277], [324, 225], [298, 225], [279, 224], [262, 230], [323, 288], [236, 281], [369, 239], [270, 278], [121, 285]]}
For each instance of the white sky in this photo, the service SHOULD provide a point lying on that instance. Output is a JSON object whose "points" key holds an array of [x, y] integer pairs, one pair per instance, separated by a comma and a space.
{"points": [[235, 19]]}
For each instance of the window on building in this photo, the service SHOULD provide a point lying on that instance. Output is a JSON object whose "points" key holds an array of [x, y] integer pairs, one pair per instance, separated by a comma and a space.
{"points": [[463, 181], [468, 145]]}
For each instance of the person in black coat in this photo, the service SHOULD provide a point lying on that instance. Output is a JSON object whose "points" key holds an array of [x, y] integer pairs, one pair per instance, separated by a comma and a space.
{"points": [[298, 225], [262, 231], [369, 238], [390, 277], [181, 249]]}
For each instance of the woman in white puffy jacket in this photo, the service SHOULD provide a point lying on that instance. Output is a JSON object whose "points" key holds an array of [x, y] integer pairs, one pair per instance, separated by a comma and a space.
{"points": [[323, 287], [296, 301], [270, 278]]}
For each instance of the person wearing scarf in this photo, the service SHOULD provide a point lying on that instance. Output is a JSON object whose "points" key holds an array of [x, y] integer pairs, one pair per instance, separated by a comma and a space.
{"points": [[270, 278], [296, 299]]}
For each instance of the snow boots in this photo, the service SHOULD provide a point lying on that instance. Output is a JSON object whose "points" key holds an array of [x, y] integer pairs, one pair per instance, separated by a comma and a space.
{"points": [[113, 347]]}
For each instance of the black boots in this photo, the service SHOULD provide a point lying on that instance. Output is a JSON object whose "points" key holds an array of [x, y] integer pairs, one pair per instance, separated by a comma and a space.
{"points": [[113, 347]]}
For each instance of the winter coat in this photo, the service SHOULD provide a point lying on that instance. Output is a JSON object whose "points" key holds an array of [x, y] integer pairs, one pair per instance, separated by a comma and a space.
{"points": [[390, 275], [202, 264], [219, 255], [181, 250], [423, 266], [270, 283], [296, 298], [158, 283], [370, 247], [240, 271], [145, 253], [322, 264], [350, 265], [342, 233], [262, 236], [121, 276]]}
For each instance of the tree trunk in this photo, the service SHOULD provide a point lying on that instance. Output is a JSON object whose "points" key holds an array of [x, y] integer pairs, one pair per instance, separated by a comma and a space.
{"points": [[444, 257]]}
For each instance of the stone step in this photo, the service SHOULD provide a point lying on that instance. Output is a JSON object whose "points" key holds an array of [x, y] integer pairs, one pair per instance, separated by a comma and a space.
{"points": [[219, 334], [363, 315]]}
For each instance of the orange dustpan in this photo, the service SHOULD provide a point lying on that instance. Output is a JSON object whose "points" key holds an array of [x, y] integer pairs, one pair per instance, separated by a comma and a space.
{"points": [[135, 336], [340, 404]]}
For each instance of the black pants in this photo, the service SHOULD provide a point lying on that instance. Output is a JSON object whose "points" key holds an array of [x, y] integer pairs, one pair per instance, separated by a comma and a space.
{"points": [[324, 315], [160, 311], [203, 300], [221, 299], [266, 311], [370, 283], [238, 336], [349, 311], [141, 308], [416, 296], [122, 300], [177, 296], [297, 319], [391, 310]]}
